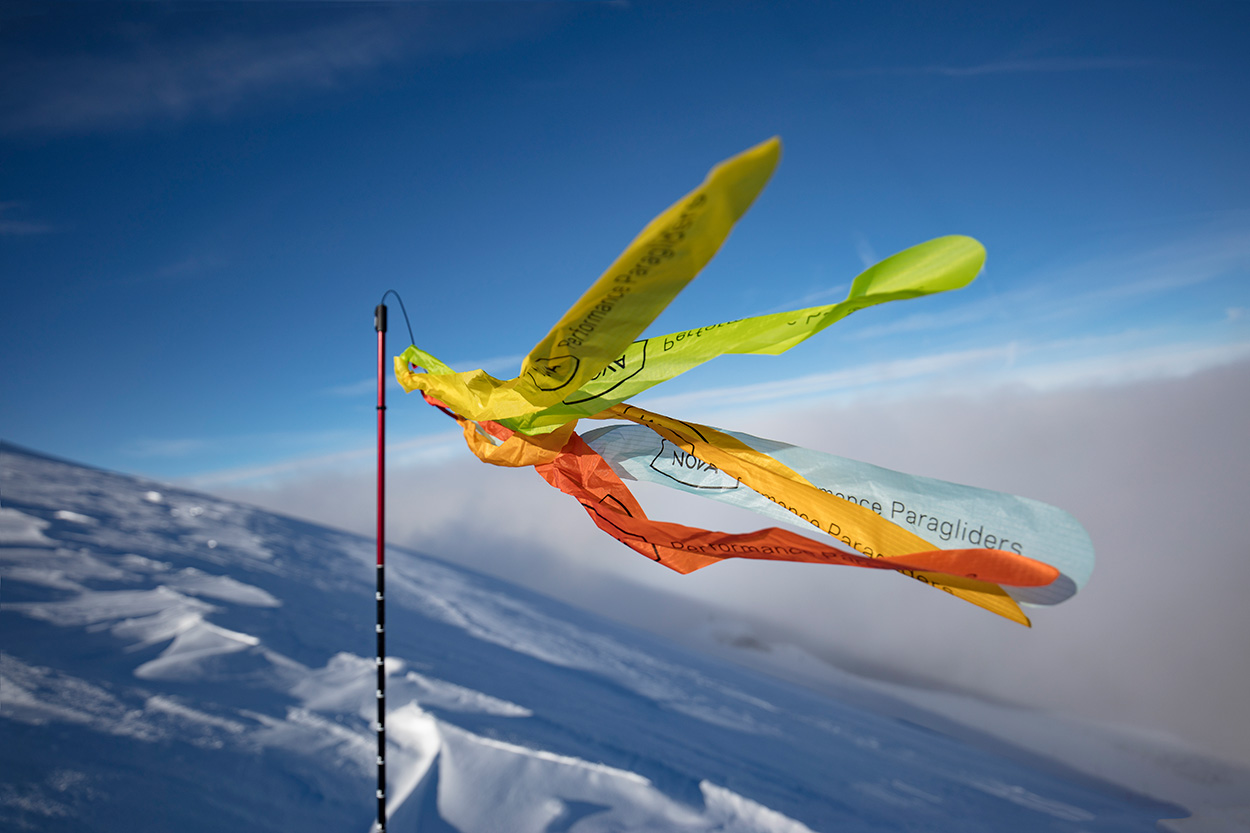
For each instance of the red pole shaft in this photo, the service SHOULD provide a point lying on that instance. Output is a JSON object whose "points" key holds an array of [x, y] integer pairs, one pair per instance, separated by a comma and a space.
{"points": [[381, 446], [380, 326]]}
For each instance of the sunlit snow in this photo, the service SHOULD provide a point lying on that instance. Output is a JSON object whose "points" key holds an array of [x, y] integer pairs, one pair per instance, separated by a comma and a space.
{"points": [[153, 682]]}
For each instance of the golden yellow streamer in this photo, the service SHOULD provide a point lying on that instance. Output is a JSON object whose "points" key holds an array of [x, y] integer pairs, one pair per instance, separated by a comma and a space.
{"points": [[857, 526]]}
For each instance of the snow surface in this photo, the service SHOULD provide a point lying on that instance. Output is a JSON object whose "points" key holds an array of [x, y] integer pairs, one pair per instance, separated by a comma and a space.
{"points": [[1216, 792], [172, 661]]}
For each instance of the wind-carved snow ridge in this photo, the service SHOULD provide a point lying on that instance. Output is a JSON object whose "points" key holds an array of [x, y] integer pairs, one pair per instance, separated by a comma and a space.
{"points": [[149, 617], [39, 696], [1019, 795], [451, 697], [192, 641], [74, 517], [19, 529], [173, 661], [61, 568], [521, 627], [91, 607], [225, 588], [479, 785], [347, 683]]}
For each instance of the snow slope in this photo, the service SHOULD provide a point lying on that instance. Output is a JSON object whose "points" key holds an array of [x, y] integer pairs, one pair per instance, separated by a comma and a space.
{"points": [[169, 660]]}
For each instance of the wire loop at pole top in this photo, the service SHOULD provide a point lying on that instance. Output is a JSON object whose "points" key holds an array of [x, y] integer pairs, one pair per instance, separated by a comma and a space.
{"points": [[400, 301]]}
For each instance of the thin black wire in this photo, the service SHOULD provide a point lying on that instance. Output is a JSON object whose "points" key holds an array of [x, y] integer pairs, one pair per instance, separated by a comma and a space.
{"points": [[411, 339]]}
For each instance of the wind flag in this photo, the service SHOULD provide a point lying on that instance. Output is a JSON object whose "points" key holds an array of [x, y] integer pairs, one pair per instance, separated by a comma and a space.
{"points": [[639, 284], [991, 549], [935, 266], [810, 489]]}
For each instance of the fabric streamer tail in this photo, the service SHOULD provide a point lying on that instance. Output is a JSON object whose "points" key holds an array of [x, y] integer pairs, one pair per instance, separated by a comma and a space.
{"points": [[593, 360]]}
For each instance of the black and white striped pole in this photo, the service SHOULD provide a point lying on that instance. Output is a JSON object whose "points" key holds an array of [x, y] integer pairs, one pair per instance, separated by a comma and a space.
{"points": [[379, 324]]}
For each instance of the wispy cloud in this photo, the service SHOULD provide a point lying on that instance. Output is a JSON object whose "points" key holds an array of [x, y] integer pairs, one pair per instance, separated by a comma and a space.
{"points": [[495, 365], [193, 449], [1117, 359], [123, 67], [189, 267], [22, 228], [1104, 281], [12, 227], [1084, 363], [433, 447], [352, 389], [830, 295], [1010, 67], [1174, 264], [143, 77], [167, 448], [1121, 367], [867, 254], [823, 384]]}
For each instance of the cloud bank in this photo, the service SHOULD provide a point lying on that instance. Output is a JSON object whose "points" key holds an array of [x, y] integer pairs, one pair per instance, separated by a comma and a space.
{"points": [[1157, 470], [145, 65]]}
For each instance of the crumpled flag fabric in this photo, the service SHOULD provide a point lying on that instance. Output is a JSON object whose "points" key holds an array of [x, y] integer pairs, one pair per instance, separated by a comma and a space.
{"points": [[577, 469], [582, 473], [857, 526], [639, 284], [956, 515]]}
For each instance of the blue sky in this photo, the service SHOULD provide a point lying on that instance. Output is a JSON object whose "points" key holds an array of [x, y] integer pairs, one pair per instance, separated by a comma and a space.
{"points": [[200, 204]]}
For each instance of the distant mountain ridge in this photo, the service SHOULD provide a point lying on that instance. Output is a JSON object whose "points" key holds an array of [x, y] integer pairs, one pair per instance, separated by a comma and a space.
{"points": [[174, 661]]}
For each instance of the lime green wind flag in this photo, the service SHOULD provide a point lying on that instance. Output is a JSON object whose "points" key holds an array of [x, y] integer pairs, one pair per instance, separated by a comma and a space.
{"points": [[936, 266]]}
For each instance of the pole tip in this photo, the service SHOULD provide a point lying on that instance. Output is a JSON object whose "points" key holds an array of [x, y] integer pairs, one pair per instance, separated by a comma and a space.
{"points": [[379, 318]]}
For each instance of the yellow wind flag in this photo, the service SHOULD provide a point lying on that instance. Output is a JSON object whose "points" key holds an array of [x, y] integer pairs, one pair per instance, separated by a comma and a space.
{"points": [[639, 284]]}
